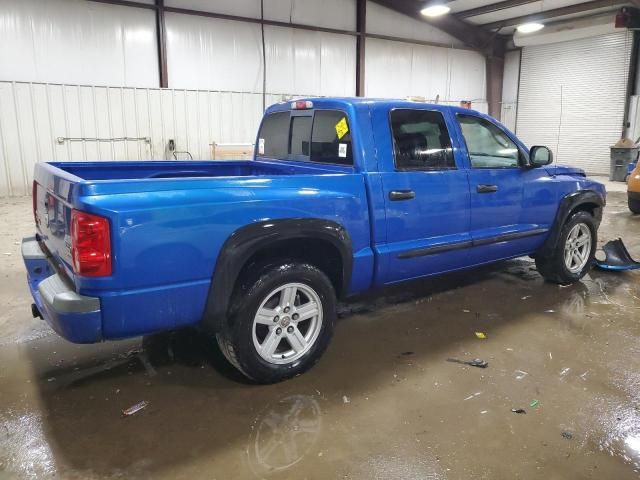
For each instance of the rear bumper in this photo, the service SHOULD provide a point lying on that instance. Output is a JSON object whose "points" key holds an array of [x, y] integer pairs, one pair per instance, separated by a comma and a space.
{"points": [[75, 317]]}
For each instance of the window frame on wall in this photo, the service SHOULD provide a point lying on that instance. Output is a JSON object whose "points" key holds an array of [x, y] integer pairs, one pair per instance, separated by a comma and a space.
{"points": [[308, 157], [451, 157], [522, 156]]}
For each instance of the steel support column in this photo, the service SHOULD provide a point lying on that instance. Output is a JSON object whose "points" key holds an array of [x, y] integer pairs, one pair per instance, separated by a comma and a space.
{"points": [[361, 22], [162, 44], [495, 72]]}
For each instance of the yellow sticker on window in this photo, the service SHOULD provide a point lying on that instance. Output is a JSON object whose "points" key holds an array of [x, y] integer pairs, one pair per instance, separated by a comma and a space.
{"points": [[342, 128]]}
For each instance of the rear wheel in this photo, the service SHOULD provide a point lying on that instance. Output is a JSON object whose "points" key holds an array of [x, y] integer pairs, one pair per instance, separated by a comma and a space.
{"points": [[634, 205], [573, 257], [281, 322]]}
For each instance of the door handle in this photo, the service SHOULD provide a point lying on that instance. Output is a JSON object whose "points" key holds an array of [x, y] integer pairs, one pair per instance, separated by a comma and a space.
{"points": [[401, 195], [484, 188]]}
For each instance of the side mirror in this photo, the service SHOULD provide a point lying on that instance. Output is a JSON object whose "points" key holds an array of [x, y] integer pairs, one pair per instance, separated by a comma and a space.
{"points": [[540, 156]]}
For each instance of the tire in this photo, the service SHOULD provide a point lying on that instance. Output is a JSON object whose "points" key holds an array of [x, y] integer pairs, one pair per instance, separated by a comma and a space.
{"points": [[554, 268], [634, 205], [274, 345]]}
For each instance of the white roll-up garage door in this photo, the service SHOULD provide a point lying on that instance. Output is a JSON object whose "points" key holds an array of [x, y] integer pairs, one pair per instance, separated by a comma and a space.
{"points": [[572, 98]]}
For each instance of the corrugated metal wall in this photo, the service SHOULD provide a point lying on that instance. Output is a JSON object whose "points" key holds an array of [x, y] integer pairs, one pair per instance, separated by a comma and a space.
{"points": [[58, 55], [75, 41], [34, 115], [572, 98], [510, 80], [397, 69]]}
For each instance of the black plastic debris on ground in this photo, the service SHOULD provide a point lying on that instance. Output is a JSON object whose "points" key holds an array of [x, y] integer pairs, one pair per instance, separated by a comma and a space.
{"points": [[518, 410], [476, 362], [617, 257], [567, 435]]}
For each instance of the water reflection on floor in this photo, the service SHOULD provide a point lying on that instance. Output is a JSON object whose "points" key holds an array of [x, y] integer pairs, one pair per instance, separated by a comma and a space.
{"points": [[383, 402]]}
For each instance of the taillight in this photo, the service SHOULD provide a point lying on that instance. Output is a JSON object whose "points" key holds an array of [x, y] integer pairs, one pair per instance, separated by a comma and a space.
{"points": [[34, 199], [90, 244]]}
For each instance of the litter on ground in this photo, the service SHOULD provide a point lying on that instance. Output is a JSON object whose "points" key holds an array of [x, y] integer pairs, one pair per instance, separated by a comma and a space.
{"points": [[135, 408], [476, 362]]}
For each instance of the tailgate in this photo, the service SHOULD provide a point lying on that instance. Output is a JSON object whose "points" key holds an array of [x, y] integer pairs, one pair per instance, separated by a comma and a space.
{"points": [[53, 193]]}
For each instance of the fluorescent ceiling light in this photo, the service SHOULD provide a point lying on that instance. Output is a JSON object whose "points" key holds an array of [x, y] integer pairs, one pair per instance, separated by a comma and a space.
{"points": [[435, 10], [530, 27]]}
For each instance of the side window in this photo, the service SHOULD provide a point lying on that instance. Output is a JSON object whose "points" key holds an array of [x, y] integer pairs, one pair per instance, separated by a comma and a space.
{"points": [[300, 136], [421, 140], [331, 138], [274, 136], [488, 146]]}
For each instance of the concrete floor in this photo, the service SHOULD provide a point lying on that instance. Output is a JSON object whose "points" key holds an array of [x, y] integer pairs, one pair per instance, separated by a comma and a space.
{"points": [[383, 403]]}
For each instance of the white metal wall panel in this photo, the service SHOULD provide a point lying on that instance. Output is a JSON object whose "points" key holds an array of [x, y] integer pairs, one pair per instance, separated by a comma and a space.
{"points": [[213, 54], [241, 8], [338, 14], [591, 76], [76, 41], [33, 116], [510, 82], [395, 69], [384, 21], [310, 63]]}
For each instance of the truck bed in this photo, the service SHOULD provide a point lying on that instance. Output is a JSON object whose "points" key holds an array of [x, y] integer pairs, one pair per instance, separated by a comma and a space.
{"points": [[92, 171]]}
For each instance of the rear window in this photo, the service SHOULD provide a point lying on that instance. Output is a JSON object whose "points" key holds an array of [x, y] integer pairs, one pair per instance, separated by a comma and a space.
{"points": [[300, 133], [273, 140], [331, 138], [323, 137]]}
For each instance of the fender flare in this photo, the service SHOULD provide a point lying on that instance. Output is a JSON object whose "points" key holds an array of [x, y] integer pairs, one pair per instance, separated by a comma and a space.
{"points": [[568, 204], [246, 241]]}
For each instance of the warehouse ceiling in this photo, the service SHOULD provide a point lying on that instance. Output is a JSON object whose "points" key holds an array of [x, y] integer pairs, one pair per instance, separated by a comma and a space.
{"points": [[479, 22]]}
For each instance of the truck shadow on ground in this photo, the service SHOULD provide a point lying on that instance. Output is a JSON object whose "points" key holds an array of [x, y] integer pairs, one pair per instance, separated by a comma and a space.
{"points": [[199, 406]]}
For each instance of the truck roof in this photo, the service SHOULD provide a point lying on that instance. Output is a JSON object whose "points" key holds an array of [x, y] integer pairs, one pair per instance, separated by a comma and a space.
{"points": [[359, 102]]}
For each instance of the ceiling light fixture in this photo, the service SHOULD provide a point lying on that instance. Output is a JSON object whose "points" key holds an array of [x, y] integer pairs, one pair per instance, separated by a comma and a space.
{"points": [[530, 27], [435, 10]]}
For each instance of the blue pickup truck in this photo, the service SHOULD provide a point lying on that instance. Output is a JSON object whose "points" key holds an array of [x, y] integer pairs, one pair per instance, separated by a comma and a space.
{"points": [[343, 195]]}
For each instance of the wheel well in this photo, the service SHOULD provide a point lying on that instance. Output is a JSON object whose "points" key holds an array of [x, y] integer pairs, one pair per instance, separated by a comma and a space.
{"points": [[319, 253], [589, 207]]}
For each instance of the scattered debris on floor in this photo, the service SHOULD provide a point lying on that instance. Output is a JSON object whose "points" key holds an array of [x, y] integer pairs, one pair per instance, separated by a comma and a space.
{"points": [[518, 410], [617, 257], [476, 362], [481, 335], [135, 408], [472, 395], [534, 403], [567, 435], [406, 354], [520, 374], [345, 399]]}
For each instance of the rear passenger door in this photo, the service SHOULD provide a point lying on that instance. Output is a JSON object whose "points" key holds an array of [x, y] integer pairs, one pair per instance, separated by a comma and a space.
{"points": [[426, 193]]}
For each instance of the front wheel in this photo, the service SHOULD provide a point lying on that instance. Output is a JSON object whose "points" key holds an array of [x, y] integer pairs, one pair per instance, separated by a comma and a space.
{"points": [[574, 255], [634, 205], [281, 322]]}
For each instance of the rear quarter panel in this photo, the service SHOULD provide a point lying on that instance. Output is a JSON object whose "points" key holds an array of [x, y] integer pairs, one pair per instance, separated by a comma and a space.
{"points": [[166, 240]]}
